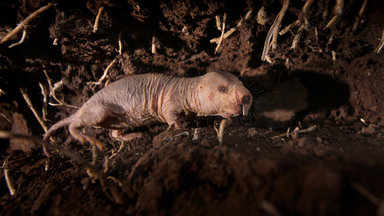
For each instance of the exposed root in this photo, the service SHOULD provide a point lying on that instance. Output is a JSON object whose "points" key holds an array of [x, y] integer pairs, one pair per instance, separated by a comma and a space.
{"points": [[37, 116], [20, 41], [296, 131], [5, 134], [122, 145], [153, 48], [297, 37], [52, 92], [96, 25], [302, 22], [106, 164], [289, 27], [333, 55], [109, 190], [262, 16], [218, 23], [365, 193], [337, 11], [25, 22], [105, 74], [2, 92], [8, 178], [371, 197], [359, 16], [95, 154], [271, 39], [220, 134], [45, 101], [6, 118], [183, 134], [302, 19], [196, 134], [222, 33], [230, 31], [269, 208], [378, 48], [30, 105], [120, 43]]}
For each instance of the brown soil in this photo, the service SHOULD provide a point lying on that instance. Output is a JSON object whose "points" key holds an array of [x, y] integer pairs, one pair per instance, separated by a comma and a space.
{"points": [[168, 172]]}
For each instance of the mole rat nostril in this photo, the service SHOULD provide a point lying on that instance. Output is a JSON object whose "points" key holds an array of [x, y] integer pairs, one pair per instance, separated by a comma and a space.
{"points": [[245, 99]]}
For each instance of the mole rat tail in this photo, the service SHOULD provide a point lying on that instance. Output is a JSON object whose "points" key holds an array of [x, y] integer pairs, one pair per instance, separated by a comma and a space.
{"points": [[58, 125]]}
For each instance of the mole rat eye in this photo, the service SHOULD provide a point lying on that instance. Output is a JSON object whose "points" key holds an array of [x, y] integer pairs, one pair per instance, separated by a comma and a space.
{"points": [[223, 89]]}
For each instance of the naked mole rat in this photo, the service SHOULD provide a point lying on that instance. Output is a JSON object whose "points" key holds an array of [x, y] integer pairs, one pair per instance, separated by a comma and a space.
{"points": [[148, 98]]}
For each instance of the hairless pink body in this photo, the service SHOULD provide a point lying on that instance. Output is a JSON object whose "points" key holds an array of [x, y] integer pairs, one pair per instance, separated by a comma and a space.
{"points": [[148, 98]]}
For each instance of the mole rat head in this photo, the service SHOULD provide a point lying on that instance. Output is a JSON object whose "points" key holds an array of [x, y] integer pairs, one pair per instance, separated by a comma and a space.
{"points": [[223, 94]]}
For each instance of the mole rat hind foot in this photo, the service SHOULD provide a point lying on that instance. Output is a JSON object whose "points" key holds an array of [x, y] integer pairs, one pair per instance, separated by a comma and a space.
{"points": [[74, 130], [119, 135]]}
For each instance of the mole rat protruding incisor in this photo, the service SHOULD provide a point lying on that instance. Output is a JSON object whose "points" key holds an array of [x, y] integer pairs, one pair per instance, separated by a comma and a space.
{"points": [[144, 99]]}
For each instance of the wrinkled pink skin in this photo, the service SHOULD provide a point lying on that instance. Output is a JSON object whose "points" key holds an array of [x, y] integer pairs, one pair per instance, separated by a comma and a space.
{"points": [[148, 98]]}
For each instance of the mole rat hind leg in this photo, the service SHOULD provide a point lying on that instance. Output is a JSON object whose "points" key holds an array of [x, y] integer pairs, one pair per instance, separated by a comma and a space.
{"points": [[75, 131], [89, 117]]}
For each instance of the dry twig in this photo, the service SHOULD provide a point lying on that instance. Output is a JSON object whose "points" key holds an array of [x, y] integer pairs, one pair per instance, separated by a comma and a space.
{"points": [[271, 39], [104, 74], [96, 25], [25, 22]]}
